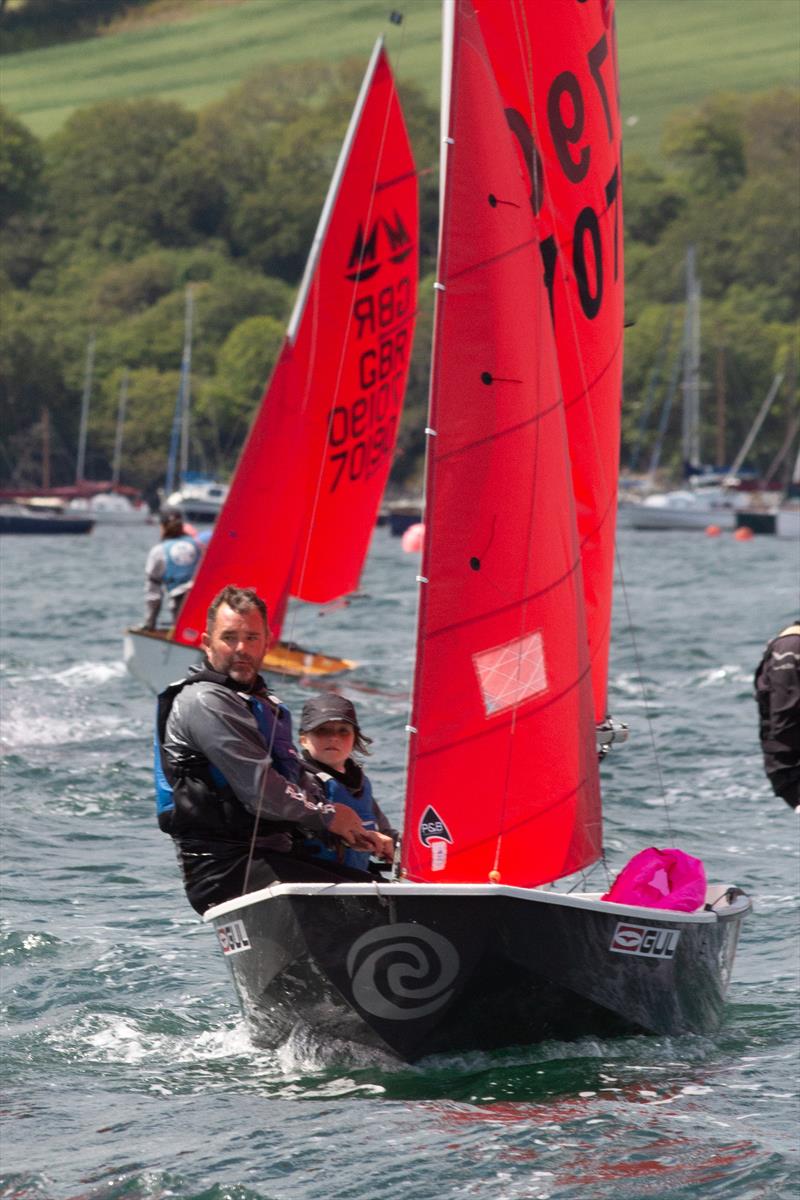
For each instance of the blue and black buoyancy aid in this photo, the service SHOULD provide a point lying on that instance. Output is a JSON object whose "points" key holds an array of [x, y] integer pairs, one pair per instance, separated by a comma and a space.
{"points": [[357, 796], [274, 724], [181, 556]]}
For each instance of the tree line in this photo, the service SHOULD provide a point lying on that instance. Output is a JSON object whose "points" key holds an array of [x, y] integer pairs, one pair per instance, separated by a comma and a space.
{"points": [[105, 223]]}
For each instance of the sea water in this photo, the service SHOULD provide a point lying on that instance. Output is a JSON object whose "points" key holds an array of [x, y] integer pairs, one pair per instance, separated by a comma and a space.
{"points": [[128, 1069]]}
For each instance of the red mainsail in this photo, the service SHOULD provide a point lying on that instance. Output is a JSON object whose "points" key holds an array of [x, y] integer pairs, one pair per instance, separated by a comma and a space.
{"points": [[503, 780], [304, 497], [556, 68]]}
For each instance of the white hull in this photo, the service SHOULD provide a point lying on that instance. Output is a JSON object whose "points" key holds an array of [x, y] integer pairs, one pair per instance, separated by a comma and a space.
{"points": [[645, 517], [787, 523], [156, 662]]}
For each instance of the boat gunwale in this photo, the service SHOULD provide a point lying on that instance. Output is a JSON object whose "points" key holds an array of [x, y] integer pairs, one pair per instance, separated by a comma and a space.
{"points": [[588, 901]]}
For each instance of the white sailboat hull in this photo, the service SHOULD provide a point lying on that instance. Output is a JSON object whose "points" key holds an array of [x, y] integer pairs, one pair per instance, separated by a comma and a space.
{"points": [[415, 969], [683, 509], [156, 661], [787, 522]]}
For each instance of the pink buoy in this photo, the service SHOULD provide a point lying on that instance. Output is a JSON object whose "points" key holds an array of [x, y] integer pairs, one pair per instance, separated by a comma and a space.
{"points": [[413, 538], [713, 531], [743, 534]]}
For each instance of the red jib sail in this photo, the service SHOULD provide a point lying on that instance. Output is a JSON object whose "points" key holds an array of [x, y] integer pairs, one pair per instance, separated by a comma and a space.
{"points": [[556, 68], [354, 343], [503, 780], [305, 494]]}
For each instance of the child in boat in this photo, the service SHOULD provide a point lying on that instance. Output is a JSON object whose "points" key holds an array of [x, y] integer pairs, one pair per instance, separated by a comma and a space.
{"points": [[329, 735]]}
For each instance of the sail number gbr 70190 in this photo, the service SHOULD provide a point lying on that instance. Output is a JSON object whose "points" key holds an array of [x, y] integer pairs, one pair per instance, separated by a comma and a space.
{"points": [[362, 430], [566, 120]]}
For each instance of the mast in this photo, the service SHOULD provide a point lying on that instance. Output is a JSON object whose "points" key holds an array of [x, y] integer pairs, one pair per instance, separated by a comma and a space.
{"points": [[179, 438], [721, 454], [87, 391], [186, 372], [123, 400], [45, 447], [691, 377], [766, 405]]}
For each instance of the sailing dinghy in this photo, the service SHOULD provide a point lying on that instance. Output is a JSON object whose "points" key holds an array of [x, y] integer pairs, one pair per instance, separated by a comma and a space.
{"points": [[473, 946], [304, 498]]}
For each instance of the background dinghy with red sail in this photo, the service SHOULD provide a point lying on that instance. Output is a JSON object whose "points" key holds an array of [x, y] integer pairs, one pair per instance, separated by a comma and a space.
{"points": [[304, 498], [472, 947]]}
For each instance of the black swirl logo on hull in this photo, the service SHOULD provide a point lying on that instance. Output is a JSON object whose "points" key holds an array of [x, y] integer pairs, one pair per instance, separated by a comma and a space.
{"points": [[402, 972]]}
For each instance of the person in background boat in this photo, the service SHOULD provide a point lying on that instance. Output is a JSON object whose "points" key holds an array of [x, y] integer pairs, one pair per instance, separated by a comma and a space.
{"points": [[231, 789], [170, 567], [329, 735], [777, 684]]}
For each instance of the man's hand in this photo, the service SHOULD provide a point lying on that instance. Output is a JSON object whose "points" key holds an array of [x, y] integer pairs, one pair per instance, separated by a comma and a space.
{"points": [[347, 825], [385, 849]]}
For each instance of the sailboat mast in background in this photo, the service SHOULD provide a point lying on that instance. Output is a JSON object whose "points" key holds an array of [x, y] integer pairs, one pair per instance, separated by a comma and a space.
{"points": [[691, 378], [80, 467]]}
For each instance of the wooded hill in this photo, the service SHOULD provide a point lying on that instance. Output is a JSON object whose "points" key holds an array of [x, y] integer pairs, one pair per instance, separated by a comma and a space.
{"points": [[105, 221]]}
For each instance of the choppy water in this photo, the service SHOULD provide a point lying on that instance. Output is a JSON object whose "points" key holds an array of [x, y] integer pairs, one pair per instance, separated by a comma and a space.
{"points": [[128, 1070]]}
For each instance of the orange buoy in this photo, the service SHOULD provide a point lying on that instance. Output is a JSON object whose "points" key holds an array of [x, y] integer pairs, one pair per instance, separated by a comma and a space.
{"points": [[713, 531], [743, 534], [413, 538]]}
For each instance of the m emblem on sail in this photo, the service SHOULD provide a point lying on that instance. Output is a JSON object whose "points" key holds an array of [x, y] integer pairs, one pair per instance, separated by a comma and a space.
{"points": [[364, 261]]}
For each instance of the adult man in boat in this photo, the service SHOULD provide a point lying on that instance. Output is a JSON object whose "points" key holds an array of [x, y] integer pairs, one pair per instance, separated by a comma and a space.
{"points": [[170, 567], [777, 683], [234, 796]]}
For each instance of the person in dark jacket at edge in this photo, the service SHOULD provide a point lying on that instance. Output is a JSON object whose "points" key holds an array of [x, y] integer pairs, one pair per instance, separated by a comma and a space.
{"points": [[777, 683], [231, 790]]}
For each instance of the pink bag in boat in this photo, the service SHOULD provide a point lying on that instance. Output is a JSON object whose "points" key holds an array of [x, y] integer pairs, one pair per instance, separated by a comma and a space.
{"points": [[661, 879]]}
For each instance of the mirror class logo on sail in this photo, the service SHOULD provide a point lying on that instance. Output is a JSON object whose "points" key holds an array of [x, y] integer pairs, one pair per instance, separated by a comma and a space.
{"points": [[363, 425]]}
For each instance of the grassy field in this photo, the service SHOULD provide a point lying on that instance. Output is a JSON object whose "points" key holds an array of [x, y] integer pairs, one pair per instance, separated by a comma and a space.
{"points": [[672, 53]]}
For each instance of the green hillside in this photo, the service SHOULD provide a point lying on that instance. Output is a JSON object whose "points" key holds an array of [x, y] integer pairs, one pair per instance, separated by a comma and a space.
{"points": [[672, 52]]}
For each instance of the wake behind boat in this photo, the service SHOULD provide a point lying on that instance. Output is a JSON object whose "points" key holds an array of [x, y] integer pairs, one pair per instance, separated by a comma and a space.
{"points": [[302, 505], [473, 946]]}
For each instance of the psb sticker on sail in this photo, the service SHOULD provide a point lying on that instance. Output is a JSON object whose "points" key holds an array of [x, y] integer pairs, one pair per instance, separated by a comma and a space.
{"points": [[645, 940], [432, 828], [233, 937]]}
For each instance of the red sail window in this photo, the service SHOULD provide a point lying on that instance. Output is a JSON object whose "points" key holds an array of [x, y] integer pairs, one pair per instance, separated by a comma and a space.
{"points": [[502, 771], [556, 67]]}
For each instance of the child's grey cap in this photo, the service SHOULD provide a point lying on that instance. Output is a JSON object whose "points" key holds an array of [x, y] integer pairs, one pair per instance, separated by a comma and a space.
{"points": [[329, 707]]}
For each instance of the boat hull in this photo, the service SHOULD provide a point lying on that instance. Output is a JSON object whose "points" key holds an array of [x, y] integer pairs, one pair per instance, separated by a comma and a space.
{"points": [[643, 516], [416, 969], [39, 523], [156, 661], [787, 522]]}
